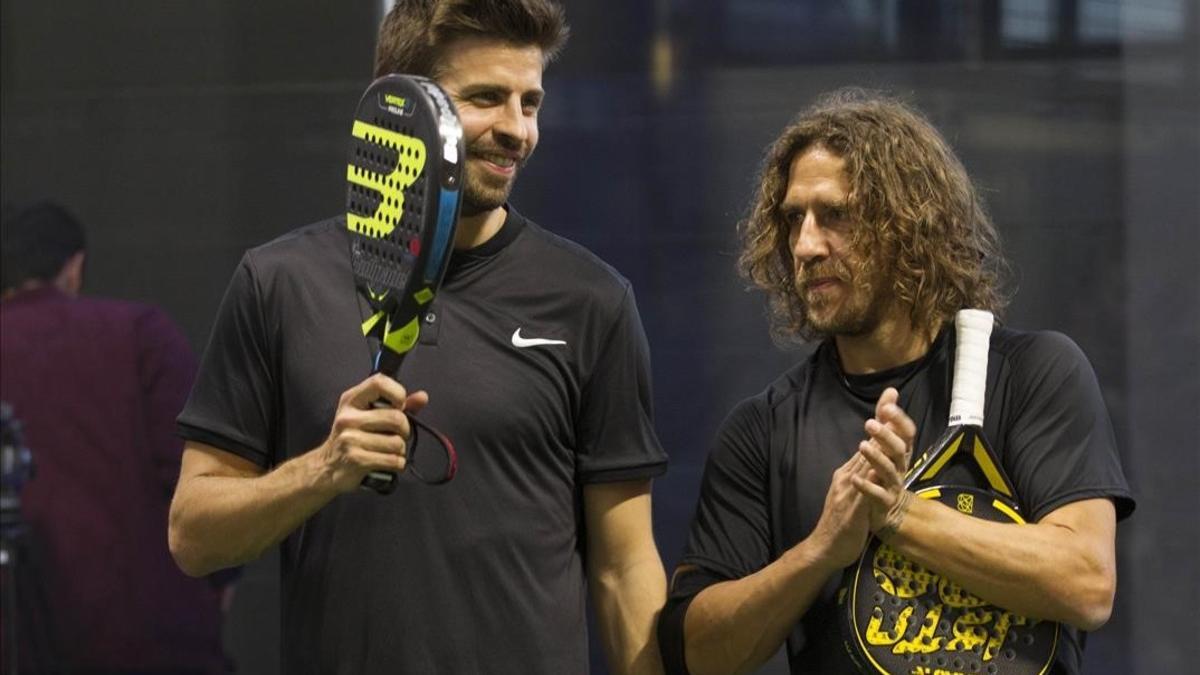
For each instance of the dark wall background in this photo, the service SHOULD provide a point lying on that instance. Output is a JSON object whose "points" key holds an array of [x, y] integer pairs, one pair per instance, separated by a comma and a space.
{"points": [[183, 132]]}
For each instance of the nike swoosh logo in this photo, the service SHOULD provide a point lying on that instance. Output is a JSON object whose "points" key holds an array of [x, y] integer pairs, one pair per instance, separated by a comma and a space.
{"points": [[522, 342]]}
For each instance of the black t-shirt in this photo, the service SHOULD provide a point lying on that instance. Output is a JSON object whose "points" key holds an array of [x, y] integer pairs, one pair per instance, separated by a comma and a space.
{"points": [[766, 479], [485, 573]]}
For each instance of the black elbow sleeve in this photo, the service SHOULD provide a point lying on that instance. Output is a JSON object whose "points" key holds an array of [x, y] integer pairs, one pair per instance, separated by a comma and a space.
{"points": [[685, 586], [670, 634]]}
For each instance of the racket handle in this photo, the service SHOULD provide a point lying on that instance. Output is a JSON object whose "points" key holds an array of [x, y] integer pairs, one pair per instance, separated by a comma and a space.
{"points": [[382, 482], [973, 328]]}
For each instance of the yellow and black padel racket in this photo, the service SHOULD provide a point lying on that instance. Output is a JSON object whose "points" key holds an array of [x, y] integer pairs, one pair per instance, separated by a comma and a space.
{"points": [[403, 195], [898, 616]]}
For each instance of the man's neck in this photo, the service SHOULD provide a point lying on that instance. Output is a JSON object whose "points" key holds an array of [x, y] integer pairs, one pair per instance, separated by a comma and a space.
{"points": [[894, 342], [477, 229]]}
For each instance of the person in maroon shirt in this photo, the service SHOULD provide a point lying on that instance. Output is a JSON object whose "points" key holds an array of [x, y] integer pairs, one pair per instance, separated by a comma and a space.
{"points": [[95, 385]]}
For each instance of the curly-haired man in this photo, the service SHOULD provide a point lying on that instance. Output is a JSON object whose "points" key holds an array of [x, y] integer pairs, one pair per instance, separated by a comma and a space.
{"points": [[866, 233]]}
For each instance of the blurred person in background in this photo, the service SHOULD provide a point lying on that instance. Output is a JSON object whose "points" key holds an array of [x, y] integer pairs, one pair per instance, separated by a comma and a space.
{"points": [[95, 385]]}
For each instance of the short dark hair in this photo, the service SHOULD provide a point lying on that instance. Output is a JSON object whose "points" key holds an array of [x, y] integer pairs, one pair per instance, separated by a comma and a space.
{"points": [[36, 240], [414, 34], [921, 210]]}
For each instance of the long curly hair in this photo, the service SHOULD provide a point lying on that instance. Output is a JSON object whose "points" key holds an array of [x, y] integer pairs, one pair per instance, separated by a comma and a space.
{"points": [[918, 212]]}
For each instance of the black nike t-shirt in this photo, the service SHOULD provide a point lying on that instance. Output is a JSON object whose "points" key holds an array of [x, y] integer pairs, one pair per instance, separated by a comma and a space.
{"points": [[765, 481], [537, 369]]}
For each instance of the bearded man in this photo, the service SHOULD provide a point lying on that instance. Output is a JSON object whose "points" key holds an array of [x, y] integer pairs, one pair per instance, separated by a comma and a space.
{"points": [[868, 235], [533, 359]]}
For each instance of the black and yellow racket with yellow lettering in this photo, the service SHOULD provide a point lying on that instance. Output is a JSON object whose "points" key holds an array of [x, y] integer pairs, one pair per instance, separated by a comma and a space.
{"points": [[403, 184], [898, 616]]}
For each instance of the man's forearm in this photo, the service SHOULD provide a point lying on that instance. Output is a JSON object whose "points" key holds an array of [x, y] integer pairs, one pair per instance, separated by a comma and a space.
{"points": [[1048, 570], [219, 521], [735, 626], [628, 602]]}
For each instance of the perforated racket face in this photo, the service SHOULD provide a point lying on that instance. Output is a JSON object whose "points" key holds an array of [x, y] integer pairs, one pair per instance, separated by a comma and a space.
{"points": [[385, 210], [386, 184], [905, 618], [402, 199]]}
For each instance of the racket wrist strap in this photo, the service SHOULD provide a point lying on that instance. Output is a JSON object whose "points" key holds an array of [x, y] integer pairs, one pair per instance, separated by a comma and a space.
{"points": [[447, 447]]}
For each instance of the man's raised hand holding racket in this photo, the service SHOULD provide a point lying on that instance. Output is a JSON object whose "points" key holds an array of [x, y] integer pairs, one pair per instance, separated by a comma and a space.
{"points": [[368, 437]]}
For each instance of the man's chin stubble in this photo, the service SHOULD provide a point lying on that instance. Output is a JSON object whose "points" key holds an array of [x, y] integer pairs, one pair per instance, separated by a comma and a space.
{"points": [[476, 201]]}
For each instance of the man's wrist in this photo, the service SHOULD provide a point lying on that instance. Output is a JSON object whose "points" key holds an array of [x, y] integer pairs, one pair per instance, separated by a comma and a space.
{"points": [[895, 517], [316, 474], [817, 553]]}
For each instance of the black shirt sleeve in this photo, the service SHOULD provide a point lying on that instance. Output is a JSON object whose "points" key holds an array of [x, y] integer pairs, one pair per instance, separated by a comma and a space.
{"points": [[232, 404], [730, 536], [731, 532], [616, 439], [1060, 444], [685, 586]]}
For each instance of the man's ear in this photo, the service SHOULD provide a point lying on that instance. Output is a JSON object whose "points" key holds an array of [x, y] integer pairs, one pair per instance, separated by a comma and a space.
{"points": [[70, 277]]}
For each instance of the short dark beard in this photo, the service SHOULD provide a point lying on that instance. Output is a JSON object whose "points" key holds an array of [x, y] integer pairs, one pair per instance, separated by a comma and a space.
{"points": [[478, 197], [476, 201], [855, 323], [471, 207]]}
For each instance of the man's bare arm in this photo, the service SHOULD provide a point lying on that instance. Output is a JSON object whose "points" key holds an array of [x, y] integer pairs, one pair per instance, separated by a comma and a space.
{"points": [[1061, 568], [735, 626], [625, 573], [227, 511]]}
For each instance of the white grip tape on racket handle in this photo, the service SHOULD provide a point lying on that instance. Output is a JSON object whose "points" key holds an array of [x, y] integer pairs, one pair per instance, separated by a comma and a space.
{"points": [[973, 329]]}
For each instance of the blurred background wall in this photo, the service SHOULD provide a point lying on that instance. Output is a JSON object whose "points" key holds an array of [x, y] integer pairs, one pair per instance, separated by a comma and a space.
{"points": [[184, 132]]}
